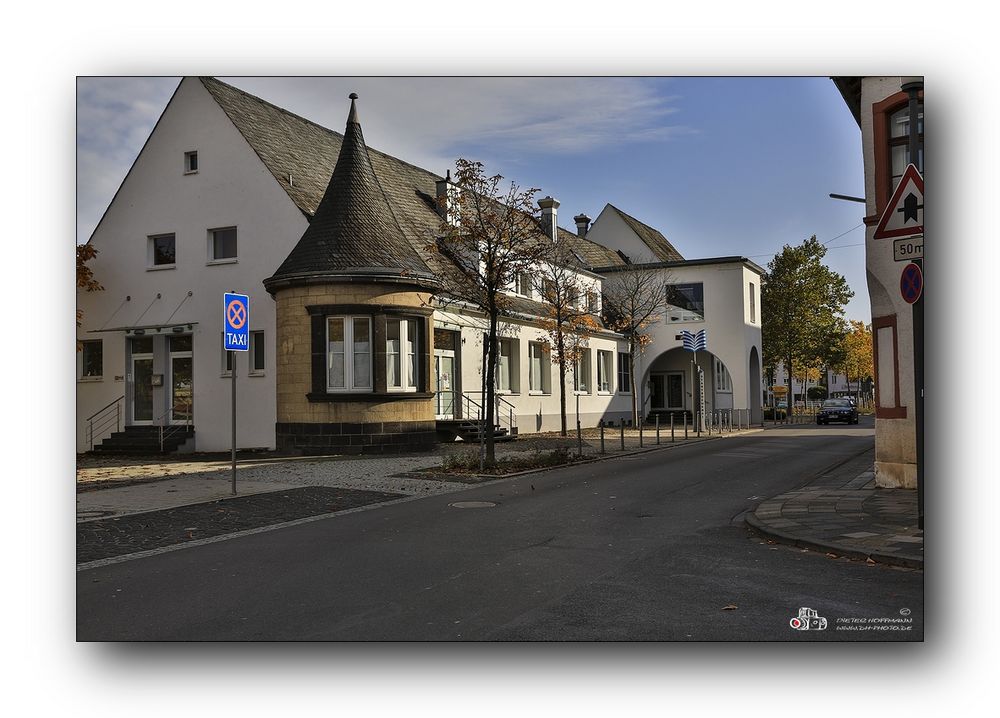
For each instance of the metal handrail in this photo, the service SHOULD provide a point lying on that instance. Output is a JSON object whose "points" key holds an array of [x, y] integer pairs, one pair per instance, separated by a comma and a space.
{"points": [[469, 402], [166, 430], [115, 401], [103, 421]]}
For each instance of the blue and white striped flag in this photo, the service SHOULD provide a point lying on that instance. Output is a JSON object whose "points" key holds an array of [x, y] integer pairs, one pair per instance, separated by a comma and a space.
{"points": [[694, 341]]}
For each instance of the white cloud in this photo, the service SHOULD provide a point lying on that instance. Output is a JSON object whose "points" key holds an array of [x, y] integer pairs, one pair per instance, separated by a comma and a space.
{"points": [[427, 121]]}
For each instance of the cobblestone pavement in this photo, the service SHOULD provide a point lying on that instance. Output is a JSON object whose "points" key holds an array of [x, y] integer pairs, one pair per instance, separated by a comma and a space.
{"points": [[107, 538], [846, 514]]}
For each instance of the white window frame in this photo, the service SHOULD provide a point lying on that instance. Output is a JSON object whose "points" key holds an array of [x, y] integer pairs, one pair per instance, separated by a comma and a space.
{"points": [[350, 355], [723, 382], [678, 315], [151, 265], [624, 370], [212, 259], [544, 377], [257, 337], [753, 304], [513, 383], [407, 325], [188, 156], [523, 284], [83, 363], [605, 366], [581, 367]]}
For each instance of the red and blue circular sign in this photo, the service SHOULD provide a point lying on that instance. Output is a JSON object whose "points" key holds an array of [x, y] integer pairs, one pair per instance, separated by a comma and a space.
{"points": [[911, 283]]}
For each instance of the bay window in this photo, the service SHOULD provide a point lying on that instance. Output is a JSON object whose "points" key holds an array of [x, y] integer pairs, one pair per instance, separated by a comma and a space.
{"points": [[349, 354], [401, 352]]}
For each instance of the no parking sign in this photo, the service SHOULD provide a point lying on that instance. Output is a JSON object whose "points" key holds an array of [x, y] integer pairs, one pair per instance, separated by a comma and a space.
{"points": [[911, 283], [236, 321]]}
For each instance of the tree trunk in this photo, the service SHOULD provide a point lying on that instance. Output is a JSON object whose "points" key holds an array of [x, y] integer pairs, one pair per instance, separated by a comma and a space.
{"points": [[635, 383], [790, 403], [561, 348]]}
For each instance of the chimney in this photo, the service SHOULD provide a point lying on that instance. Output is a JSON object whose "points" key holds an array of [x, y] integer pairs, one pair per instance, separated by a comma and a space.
{"points": [[582, 224], [447, 200], [550, 210]]}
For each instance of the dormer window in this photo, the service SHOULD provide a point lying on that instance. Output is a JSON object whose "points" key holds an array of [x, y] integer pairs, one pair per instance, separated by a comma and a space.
{"points": [[190, 162]]}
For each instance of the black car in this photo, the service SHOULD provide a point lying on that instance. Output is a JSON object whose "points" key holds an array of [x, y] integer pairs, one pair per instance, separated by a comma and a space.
{"points": [[837, 410]]}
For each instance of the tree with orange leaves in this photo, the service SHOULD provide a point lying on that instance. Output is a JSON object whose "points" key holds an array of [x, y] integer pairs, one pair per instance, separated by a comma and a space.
{"points": [[569, 315]]}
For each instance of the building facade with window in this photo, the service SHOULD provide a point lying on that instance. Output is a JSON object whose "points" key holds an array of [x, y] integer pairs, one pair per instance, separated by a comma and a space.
{"points": [[718, 295], [354, 345], [880, 107]]}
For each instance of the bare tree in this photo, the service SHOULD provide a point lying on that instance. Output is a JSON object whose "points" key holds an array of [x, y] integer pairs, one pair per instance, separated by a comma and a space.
{"points": [[568, 316], [633, 302], [490, 235]]}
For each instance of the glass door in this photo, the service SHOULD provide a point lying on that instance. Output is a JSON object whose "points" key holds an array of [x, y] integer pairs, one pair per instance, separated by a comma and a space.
{"points": [[675, 390], [444, 373], [141, 380], [181, 380], [656, 391]]}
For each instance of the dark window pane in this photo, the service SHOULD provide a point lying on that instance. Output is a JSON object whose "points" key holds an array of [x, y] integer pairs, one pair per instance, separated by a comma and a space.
{"points": [[164, 250], [181, 344], [93, 358], [192, 161], [224, 243], [142, 345], [258, 351]]}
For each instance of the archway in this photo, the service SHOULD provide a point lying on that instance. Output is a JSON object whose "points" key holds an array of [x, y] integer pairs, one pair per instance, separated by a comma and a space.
{"points": [[754, 385]]}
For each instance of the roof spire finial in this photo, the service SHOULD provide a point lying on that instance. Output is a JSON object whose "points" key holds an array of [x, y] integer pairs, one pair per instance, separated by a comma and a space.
{"points": [[353, 115]]}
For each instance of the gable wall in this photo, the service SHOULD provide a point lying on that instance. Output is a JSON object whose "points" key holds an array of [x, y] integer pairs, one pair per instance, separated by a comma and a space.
{"points": [[231, 188]]}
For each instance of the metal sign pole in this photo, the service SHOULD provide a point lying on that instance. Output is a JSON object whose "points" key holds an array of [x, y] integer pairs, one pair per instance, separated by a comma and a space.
{"points": [[912, 89], [233, 354]]}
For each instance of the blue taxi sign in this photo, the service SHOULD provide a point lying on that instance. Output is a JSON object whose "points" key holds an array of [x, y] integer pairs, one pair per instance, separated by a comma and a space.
{"points": [[236, 322]]}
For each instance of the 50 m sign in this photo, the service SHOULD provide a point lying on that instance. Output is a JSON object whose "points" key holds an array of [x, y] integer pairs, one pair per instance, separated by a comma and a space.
{"points": [[236, 322]]}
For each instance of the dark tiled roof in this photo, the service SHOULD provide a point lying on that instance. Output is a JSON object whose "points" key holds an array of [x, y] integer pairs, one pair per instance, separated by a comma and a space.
{"points": [[354, 230], [293, 147], [590, 254], [301, 156], [657, 243]]}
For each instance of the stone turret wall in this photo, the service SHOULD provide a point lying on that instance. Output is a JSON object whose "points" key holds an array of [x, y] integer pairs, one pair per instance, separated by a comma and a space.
{"points": [[312, 420]]}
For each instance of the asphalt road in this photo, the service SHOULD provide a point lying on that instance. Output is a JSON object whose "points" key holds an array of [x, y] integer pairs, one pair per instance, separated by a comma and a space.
{"points": [[651, 547]]}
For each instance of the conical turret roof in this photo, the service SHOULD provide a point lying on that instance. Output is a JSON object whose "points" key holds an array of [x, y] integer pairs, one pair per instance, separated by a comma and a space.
{"points": [[354, 232]]}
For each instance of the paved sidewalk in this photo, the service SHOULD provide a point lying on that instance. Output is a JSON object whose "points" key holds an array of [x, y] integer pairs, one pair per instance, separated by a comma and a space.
{"points": [[844, 513]]}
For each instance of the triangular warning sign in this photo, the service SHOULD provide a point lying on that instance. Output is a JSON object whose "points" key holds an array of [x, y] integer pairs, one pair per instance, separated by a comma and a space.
{"points": [[904, 215]]}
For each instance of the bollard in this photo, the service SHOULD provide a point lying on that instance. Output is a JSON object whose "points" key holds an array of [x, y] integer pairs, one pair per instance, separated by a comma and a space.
{"points": [[672, 439], [579, 439], [657, 429], [685, 426], [641, 422], [602, 435], [623, 435]]}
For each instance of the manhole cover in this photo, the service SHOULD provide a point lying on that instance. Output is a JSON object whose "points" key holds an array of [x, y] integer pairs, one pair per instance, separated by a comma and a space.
{"points": [[472, 504]]}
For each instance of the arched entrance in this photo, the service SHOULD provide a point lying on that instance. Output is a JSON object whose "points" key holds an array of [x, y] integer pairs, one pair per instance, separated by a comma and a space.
{"points": [[756, 416], [669, 383]]}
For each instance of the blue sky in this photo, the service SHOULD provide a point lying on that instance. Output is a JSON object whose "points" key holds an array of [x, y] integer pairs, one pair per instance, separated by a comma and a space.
{"points": [[722, 166]]}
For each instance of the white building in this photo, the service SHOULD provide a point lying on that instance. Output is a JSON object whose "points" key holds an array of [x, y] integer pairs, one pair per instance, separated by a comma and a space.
{"points": [[221, 193]]}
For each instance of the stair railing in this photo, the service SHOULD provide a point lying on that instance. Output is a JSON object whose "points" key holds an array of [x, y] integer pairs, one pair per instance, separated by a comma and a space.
{"points": [[103, 419], [503, 411], [168, 430]]}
